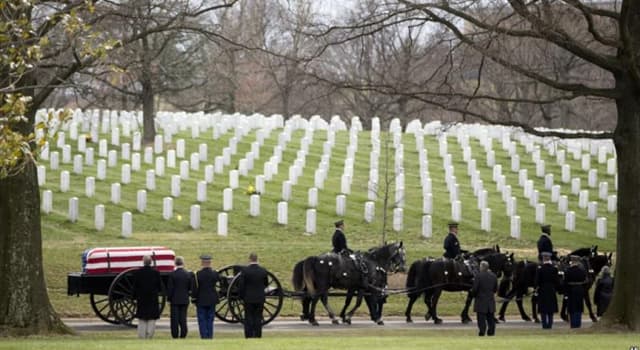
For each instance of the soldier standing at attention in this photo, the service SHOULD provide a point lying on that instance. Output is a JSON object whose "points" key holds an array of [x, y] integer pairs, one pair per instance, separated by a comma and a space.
{"points": [[485, 286], [205, 296], [251, 285], [178, 289], [574, 278], [339, 240], [451, 243], [544, 242], [547, 283]]}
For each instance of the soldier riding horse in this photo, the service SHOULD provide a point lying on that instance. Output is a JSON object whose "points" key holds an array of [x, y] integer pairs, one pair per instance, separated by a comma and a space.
{"points": [[359, 272]]}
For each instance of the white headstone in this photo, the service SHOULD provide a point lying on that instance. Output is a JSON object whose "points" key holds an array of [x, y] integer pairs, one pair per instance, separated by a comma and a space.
{"points": [[540, 168], [612, 203], [218, 165], [158, 144], [341, 205], [226, 156], [135, 162], [195, 161], [560, 157], [528, 188], [233, 179], [115, 136], [555, 193], [137, 141], [88, 156], [310, 224], [345, 184], [515, 163], [77, 164], [90, 186], [603, 191], [491, 158], [115, 193], [160, 166], [515, 227], [66, 154], [61, 141], [141, 201], [541, 213], [151, 180], [148, 155], [47, 201], [611, 166], [485, 220], [570, 221], [282, 217], [102, 169], [125, 174], [575, 185], [586, 162], [125, 151], [194, 217], [42, 175], [312, 201], [522, 177], [592, 210], [563, 204], [566, 173], [286, 190], [456, 210], [167, 208], [98, 217], [208, 173], [369, 211], [54, 161], [227, 199], [112, 159], [583, 199], [548, 181], [243, 168], [180, 148], [222, 224], [260, 186], [397, 219], [512, 206], [73, 209], [482, 199], [254, 205], [427, 203], [127, 224], [103, 148], [64, 181], [427, 231], [593, 178], [601, 228]]}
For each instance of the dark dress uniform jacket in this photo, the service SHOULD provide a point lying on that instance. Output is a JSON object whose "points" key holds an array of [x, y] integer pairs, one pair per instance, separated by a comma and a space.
{"points": [[178, 287], [548, 283], [252, 283], [451, 246], [574, 279], [147, 285], [544, 245], [485, 285], [339, 241], [204, 287]]}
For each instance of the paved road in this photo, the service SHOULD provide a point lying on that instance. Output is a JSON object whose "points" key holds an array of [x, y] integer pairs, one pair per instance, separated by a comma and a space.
{"points": [[292, 325]]}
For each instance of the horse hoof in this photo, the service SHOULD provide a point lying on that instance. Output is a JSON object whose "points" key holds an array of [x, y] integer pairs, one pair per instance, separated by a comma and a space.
{"points": [[437, 320], [594, 319], [535, 320], [427, 317], [502, 319], [304, 318], [314, 323], [335, 322], [527, 319], [466, 320], [346, 321], [380, 323], [409, 320]]}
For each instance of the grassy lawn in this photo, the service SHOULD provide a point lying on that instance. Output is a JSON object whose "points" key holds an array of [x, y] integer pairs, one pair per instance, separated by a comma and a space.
{"points": [[406, 340], [279, 247]]}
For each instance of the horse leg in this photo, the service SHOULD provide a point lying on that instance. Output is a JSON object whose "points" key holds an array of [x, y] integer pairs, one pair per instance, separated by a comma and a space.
{"points": [[407, 312], [347, 302], [465, 311], [588, 303], [563, 309], [519, 302], [428, 301], [505, 303], [534, 308], [312, 310], [325, 303], [305, 308], [355, 307], [434, 306]]}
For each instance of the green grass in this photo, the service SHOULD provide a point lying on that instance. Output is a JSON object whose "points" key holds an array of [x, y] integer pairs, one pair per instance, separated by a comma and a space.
{"points": [[279, 247], [383, 339]]}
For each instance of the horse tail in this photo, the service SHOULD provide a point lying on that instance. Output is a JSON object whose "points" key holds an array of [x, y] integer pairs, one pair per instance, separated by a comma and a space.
{"points": [[297, 280], [309, 273], [413, 274]]}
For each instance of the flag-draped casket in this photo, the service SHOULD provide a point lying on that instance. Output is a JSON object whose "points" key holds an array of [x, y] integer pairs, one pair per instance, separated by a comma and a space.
{"points": [[115, 260]]}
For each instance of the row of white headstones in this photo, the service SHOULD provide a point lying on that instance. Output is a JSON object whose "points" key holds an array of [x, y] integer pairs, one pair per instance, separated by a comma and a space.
{"points": [[295, 171]]}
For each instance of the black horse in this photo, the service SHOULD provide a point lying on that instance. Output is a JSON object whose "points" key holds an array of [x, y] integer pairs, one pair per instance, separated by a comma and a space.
{"points": [[524, 276], [360, 275], [593, 264], [430, 277]]}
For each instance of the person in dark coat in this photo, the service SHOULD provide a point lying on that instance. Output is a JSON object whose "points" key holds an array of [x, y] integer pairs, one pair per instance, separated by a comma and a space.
{"points": [[575, 278], [544, 242], [485, 286], [178, 291], [547, 284], [451, 243], [147, 285], [604, 291], [205, 296], [339, 240], [251, 286]]}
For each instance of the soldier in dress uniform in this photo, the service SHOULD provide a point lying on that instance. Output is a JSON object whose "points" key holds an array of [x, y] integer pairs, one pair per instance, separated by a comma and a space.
{"points": [[451, 243], [574, 279], [205, 296], [178, 291], [544, 242], [547, 284], [339, 240], [251, 286]]}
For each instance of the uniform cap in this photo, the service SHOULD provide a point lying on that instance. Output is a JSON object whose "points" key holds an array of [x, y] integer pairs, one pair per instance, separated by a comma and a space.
{"points": [[546, 229], [453, 224], [339, 223], [205, 257]]}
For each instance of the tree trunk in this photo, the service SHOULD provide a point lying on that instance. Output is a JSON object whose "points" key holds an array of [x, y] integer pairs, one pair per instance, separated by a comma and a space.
{"points": [[24, 304], [625, 306], [148, 110]]}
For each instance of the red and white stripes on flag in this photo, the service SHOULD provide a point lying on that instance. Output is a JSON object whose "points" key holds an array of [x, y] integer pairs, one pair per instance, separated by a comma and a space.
{"points": [[117, 259]]}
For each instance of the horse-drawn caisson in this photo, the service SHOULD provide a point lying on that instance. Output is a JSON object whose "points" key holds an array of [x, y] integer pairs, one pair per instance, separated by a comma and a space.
{"points": [[107, 276]]}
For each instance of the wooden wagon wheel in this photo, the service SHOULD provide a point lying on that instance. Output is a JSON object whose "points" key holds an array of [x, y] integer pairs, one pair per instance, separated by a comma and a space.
{"points": [[121, 301], [223, 310], [100, 306], [273, 299]]}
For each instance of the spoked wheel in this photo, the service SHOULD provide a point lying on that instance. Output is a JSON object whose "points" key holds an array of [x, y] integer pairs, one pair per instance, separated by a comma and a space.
{"points": [[223, 311], [273, 299], [122, 304], [100, 305]]}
